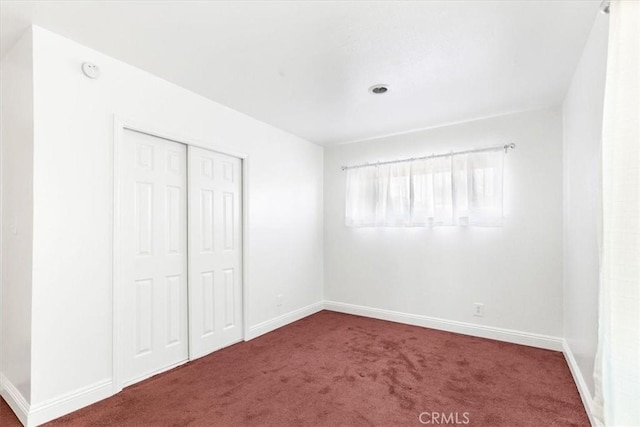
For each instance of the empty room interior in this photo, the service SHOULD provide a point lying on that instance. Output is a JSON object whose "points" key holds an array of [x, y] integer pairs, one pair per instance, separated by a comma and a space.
{"points": [[320, 213]]}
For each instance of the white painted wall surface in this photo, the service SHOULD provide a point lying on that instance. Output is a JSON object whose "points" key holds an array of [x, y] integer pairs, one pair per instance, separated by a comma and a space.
{"points": [[515, 271], [582, 112], [72, 322], [17, 215]]}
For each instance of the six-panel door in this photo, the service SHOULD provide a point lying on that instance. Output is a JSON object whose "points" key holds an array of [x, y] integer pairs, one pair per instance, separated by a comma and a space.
{"points": [[153, 207], [215, 251]]}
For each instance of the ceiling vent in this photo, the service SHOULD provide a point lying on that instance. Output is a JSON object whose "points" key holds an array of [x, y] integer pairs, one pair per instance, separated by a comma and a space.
{"points": [[378, 89]]}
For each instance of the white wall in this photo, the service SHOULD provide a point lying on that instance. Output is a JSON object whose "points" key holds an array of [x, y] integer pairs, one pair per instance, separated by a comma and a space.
{"points": [[582, 112], [17, 217], [516, 270], [72, 279]]}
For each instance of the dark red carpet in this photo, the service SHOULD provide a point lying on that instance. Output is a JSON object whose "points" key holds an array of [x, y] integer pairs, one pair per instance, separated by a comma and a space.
{"points": [[7, 418], [334, 369]]}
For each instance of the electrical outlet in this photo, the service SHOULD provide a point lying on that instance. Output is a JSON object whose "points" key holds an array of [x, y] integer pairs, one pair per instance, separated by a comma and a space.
{"points": [[279, 300], [478, 309]]}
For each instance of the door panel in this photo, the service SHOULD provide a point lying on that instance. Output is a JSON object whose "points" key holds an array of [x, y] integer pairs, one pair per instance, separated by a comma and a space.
{"points": [[215, 251], [153, 221]]}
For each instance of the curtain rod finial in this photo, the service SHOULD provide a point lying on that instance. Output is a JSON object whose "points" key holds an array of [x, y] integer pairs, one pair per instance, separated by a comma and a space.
{"points": [[509, 146]]}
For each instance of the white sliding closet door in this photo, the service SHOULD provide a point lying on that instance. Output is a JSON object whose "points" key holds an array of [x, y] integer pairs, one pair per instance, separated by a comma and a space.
{"points": [[215, 251], [153, 249]]}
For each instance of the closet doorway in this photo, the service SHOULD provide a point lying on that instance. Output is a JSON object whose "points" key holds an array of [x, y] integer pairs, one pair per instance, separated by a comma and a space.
{"points": [[178, 254]]}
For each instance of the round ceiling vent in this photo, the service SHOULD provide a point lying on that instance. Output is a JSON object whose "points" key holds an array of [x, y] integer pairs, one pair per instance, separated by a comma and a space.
{"points": [[379, 89]]}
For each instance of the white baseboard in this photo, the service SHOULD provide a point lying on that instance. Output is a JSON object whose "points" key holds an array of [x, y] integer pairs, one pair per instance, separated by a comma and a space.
{"points": [[69, 402], [500, 334], [578, 378], [280, 321], [49, 410], [14, 399]]}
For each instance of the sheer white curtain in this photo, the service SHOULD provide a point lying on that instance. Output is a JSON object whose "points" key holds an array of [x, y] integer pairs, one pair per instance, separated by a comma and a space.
{"points": [[456, 189], [431, 192], [478, 188], [393, 207], [617, 371]]}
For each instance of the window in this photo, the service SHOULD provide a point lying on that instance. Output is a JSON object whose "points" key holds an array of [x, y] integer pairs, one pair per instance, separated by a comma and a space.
{"points": [[456, 189]]}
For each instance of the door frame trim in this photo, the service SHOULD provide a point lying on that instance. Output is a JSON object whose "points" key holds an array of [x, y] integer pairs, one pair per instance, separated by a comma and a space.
{"points": [[121, 124]]}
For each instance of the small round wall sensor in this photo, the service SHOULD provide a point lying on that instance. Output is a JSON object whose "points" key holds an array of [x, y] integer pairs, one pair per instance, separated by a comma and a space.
{"points": [[379, 89], [91, 70]]}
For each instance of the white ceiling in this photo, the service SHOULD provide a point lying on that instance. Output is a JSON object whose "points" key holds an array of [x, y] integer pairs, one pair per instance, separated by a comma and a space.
{"points": [[305, 67]]}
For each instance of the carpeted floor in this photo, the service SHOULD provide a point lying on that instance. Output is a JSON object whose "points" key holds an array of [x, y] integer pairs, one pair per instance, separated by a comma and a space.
{"points": [[7, 417], [333, 369]]}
